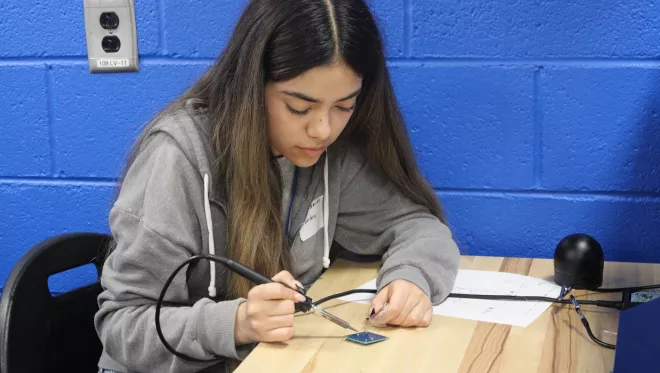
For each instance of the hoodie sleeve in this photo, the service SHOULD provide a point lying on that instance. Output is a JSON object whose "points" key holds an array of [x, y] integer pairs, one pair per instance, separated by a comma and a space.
{"points": [[374, 218], [156, 227]]}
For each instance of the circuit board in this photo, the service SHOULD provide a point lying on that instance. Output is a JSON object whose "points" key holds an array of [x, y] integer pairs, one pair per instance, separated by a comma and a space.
{"points": [[366, 338]]}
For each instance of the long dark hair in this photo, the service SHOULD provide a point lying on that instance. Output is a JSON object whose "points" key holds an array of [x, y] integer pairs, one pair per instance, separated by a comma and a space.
{"points": [[277, 40]]}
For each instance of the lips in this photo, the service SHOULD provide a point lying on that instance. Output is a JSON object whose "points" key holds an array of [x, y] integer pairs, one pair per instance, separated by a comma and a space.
{"points": [[313, 152]]}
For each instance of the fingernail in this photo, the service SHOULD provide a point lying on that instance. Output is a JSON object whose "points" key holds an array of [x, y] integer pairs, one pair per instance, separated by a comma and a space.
{"points": [[378, 316], [372, 313], [377, 319], [299, 297]]}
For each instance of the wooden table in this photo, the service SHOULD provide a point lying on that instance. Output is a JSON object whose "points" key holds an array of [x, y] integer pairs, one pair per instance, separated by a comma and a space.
{"points": [[555, 342]]}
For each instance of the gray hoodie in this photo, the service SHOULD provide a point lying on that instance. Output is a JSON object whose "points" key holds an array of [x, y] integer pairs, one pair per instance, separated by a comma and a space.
{"points": [[163, 216]]}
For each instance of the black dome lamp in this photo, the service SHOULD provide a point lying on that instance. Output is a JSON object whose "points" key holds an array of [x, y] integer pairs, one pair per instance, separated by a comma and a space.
{"points": [[579, 262]]}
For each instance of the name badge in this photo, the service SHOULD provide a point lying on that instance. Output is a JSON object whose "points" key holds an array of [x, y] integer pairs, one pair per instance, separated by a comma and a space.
{"points": [[314, 219]]}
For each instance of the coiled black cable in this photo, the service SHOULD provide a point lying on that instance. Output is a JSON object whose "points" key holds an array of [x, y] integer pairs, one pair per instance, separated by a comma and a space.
{"points": [[228, 263], [584, 321], [159, 304]]}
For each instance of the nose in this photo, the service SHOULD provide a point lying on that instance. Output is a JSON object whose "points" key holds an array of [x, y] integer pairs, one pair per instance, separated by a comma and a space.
{"points": [[320, 128]]}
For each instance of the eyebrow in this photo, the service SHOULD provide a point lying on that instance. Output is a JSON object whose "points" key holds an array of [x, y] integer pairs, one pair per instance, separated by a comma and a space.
{"points": [[304, 97]]}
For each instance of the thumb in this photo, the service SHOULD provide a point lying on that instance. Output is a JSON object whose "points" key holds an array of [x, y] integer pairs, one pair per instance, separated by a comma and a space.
{"points": [[379, 300]]}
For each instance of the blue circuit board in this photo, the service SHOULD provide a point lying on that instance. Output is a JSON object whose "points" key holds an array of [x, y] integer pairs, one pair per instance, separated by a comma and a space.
{"points": [[366, 338]]}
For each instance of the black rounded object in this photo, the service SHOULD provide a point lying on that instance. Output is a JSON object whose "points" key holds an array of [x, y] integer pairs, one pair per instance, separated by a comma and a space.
{"points": [[579, 262], [111, 44], [109, 20]]}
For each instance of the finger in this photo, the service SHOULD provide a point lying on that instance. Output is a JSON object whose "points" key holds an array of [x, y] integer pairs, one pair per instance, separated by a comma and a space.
{"points": [[281, 307], [379, 300], [395, 306], [415, 316], [279, 321], [412, 303], [428, 316], [275, 291], [286, 278], [278, 335]]}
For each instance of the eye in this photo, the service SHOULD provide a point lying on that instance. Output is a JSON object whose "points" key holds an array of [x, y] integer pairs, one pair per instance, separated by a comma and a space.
{"points": [[296, 112], [346, 109]]}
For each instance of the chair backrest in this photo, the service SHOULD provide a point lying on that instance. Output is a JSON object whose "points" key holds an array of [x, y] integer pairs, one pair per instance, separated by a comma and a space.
{"points": [[40, 332]]}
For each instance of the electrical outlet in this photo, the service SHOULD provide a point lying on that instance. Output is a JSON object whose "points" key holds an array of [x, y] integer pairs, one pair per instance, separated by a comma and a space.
{"points": [[111, 36]]}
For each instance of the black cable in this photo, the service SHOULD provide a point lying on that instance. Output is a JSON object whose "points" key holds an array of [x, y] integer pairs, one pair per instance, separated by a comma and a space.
{"points": [[344, 293], [237, 267], [523, 298], [587, 327], [583, 319], [593, 337], [159, 303], [599, 303], [230, 264], [631, 289]]}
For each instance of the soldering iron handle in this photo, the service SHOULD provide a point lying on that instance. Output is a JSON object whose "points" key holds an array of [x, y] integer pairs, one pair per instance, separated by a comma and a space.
{"points": [[249, 274], [260, 279]]}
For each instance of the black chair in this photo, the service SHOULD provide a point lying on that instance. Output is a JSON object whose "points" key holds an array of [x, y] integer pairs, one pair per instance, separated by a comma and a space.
{"points": [[40, 332]]}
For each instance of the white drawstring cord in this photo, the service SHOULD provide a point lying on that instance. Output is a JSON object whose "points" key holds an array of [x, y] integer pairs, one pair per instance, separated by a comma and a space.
{"points": [[326, 214], [209, 226]]}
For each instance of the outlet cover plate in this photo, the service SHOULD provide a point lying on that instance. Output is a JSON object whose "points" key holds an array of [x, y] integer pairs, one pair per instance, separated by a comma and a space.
{"points": [[111, 59]]}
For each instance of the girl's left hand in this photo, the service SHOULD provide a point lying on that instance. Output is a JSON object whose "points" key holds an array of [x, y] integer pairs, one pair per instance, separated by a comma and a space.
{"points": [[401, 303]]}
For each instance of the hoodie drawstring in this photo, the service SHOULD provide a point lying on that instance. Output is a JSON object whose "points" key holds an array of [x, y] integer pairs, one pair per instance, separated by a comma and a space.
{"points": [[209, 226], [326, 214]]}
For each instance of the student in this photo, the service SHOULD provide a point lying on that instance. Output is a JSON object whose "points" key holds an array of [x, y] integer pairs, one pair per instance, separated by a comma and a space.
{"points": [[291, 141]]}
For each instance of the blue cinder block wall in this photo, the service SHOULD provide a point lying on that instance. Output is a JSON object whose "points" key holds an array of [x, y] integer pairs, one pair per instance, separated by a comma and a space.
{"points": [[532, 120]]}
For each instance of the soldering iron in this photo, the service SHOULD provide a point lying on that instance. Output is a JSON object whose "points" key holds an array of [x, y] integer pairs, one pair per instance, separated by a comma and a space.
{"points": [[255, 277]]}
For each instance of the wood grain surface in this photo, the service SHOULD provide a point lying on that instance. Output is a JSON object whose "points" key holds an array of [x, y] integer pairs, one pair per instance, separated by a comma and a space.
{"points": [[555, 342]]}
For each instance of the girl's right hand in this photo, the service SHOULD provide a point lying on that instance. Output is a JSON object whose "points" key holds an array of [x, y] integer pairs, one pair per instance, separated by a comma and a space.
{"points": [[267, 316]]}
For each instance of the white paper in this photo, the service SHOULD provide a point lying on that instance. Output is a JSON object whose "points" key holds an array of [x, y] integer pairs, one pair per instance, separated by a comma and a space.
{"points": [[518, 313]]}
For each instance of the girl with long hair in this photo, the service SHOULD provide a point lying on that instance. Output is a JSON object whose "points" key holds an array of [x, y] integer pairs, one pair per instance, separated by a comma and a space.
{"points": [[291, 141]]}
